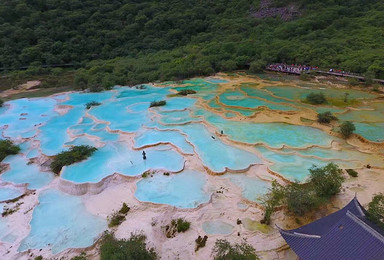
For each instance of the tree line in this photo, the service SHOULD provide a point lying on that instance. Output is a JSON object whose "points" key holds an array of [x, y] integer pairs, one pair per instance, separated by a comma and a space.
{"points": [[128, 41]]}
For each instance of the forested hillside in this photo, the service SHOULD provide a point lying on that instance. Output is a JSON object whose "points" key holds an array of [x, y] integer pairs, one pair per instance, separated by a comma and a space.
{"points": [[132, 41]]}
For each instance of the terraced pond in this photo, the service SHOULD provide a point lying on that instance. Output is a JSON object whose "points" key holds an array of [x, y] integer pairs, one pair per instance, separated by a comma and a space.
{"points": [[248, 131]]}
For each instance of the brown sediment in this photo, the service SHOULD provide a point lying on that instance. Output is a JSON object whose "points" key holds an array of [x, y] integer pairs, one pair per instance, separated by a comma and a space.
{"points": [[227, 170], [62, 109], [178, 149], [29, 86], [366, 141], [279, 176]]}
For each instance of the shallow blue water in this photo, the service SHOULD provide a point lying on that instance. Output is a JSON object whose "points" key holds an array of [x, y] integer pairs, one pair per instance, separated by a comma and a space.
{"points": [[238, 99], [178, 103], [256, 92], [295, 167], [32, 153], [152, 137], [252, 188], [7, 193], [183, 190], [204, 89], [119, 117], [177, 117], [118, 158], [271, 134], [217, 227], [371, 131], [60, 221], [295, 93], [22, 172], [25, 115], [215, 154], [82, 140], [217, 81], [54, 133]]}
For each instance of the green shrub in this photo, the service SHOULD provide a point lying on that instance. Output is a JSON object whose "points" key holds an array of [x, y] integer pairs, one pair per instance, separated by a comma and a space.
{"points": [[75, 154], [316, 98], [271, 200], [376, 210], [200, 242], [185, 92], [347, 128], [182, 225], [1, 102], [324, 182], [223, 250], [7, 148], [82, 256], [301, 199], [39, 257], [124, 209], [8, 211], [116, 219], [327, 180], [158, 103], [92, 104], [352, 172], [326, 117], [133, 248]]}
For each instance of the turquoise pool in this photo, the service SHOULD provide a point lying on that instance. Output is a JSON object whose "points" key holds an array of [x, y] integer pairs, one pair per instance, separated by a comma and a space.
{"points": [[183, 190], [60, 222]]}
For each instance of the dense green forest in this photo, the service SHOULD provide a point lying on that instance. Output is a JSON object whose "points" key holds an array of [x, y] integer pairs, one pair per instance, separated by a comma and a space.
{"points": [[132, 41]]}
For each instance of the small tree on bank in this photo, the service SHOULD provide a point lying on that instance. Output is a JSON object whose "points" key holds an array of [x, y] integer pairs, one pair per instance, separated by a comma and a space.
{"points": [[272, 200], [316, 98], [75, 154], [376, 210], [347, 128], [223, 250], [327, 180], [326, 117], [133, 248], [299, 199], [92, 104], [7, 148]]}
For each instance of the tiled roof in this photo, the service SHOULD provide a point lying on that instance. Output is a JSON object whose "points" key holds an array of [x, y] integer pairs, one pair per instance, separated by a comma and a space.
{"points": [[343, 235]]}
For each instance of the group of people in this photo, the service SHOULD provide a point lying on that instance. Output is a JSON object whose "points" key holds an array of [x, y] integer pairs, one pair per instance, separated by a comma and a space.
{"points": [[293, 68], [343, 72], [298, 69]]}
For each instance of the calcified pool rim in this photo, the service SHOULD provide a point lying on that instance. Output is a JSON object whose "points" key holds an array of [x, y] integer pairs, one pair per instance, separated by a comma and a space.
{"points": [[195, 109]]}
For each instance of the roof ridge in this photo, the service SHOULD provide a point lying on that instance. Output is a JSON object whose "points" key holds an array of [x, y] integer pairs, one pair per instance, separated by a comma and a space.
{"points": [[296, 234], [364, 225], [358, 206]]}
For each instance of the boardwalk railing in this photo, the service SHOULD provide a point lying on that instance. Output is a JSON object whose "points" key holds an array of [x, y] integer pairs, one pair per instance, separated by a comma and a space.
{"points": [[299, 70]]}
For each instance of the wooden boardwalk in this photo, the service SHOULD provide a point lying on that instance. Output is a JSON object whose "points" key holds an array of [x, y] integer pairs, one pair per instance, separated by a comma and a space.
{"points": [[337, 74]]}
